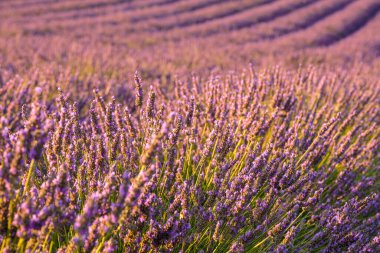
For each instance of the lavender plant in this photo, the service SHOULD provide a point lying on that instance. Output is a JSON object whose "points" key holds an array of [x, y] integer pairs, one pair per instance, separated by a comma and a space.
{"points": [[265, 161]]}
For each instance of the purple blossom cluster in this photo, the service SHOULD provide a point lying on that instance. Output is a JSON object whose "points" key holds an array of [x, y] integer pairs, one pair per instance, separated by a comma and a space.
{"points": [[264, 161]]}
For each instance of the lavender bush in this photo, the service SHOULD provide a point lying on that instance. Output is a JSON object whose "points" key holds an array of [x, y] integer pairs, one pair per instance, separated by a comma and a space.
{"points": [[186, 156], [262, 161]]}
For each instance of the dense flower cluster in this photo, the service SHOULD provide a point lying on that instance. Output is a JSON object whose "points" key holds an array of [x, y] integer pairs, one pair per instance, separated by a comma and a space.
{"points": [[265, 161]]}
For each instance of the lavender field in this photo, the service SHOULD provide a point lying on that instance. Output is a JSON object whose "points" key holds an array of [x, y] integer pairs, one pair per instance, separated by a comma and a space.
{"points": [[190, 126]]}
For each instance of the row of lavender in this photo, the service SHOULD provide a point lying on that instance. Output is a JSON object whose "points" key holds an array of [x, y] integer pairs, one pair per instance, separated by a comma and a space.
{"points": [[266, 161], [142, 34]]}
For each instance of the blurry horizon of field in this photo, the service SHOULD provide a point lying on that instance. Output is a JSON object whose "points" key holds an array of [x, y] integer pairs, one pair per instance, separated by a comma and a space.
{"points": [[171, 37], [190, 126]]}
